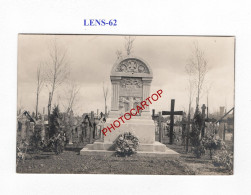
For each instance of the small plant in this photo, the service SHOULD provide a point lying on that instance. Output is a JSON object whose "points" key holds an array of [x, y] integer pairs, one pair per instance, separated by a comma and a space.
{"points": [[60, 143], [21, 151], [56, 143], [126, 144], [198, 150], [223, 158], [212, 144]]}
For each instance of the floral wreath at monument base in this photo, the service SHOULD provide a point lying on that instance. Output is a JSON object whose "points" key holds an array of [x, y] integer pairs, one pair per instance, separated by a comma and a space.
{"points": [[126, 144]]}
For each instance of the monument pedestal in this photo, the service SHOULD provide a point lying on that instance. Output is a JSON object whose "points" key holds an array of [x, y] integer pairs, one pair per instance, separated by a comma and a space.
{"points": [[141, 127], [152, 150]]}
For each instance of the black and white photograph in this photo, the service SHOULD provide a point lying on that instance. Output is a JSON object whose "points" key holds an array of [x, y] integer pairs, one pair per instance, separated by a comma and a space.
{"points": [[125, 104], [125, 97]]}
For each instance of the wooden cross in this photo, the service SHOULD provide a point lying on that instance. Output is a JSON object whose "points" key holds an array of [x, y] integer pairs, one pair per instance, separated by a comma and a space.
{"points": [[172, 113]]}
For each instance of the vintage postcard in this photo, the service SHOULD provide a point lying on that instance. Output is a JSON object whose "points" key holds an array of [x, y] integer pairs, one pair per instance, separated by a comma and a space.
{"points": [[113, 104]]}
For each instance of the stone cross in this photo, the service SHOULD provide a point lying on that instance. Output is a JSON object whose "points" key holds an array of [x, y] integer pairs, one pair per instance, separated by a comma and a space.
{"points": [[172, 113], [160, 120]]}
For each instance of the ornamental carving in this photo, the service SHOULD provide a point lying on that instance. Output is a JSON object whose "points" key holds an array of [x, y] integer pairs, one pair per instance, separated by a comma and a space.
{"points": [[132, 65], [131, 83]]}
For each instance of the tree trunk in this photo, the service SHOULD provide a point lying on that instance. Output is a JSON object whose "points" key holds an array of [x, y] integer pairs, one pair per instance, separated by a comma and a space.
{"points": [[50, 99], [37, 105], [49, 106], [188, 125], [198, 97], [188, 130], [105, 109]]}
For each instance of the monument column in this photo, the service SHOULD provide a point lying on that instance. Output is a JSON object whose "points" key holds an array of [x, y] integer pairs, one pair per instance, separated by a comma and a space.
{"points": [[146, 93], [115, 93]]}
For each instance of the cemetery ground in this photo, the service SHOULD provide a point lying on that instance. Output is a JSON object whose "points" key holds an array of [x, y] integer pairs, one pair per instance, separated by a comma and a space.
{"points": [[70, 161]]}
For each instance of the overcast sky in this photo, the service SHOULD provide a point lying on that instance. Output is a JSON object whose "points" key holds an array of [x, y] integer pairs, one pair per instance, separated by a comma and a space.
{"points": [[92, 57]]}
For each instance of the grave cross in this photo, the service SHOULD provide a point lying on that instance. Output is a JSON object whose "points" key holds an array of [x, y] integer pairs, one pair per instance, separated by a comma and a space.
{"points": [[160, 120], [172, 113], [187, 124]]}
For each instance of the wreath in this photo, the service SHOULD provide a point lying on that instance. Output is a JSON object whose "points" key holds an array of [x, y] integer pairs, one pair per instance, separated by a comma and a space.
{"points": [[126, 144]]}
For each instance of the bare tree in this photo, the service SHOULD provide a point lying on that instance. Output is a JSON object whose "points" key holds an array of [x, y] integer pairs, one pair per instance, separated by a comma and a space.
{"points": [[105, 92], [119, 54], [191, 92], [40, 84], [57, 70], [199, 67], [129, 44], [208, 88], [72, 95], [190, 86]]}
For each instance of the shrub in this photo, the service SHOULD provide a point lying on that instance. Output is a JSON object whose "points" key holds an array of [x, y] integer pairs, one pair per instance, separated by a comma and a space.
{"points": [[198, 150], [212, 144], [54, 124], [35, 142], [223, 158]]}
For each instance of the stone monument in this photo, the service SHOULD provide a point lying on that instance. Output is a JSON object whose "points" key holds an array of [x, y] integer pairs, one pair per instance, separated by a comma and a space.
{"points": [[131, 79]]}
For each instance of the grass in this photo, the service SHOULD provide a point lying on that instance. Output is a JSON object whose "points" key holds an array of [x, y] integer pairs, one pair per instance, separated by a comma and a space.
{"points": [[71, 162]]}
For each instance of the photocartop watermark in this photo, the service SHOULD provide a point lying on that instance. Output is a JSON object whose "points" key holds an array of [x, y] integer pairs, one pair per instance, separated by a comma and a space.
{"points": [[128, 115]]}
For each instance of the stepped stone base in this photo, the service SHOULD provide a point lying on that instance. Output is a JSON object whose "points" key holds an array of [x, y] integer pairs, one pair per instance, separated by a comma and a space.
{"points": [[141, 127], [103, 148]]}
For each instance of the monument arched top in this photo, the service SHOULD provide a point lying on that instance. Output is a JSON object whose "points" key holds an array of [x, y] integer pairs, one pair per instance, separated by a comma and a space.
{"points": [[131, 66]]}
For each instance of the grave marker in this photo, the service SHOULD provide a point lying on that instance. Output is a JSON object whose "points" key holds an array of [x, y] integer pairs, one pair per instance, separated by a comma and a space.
{"points": [[131, 81], [172, 113], [160, 127], [187, 123], [159, 119]]}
